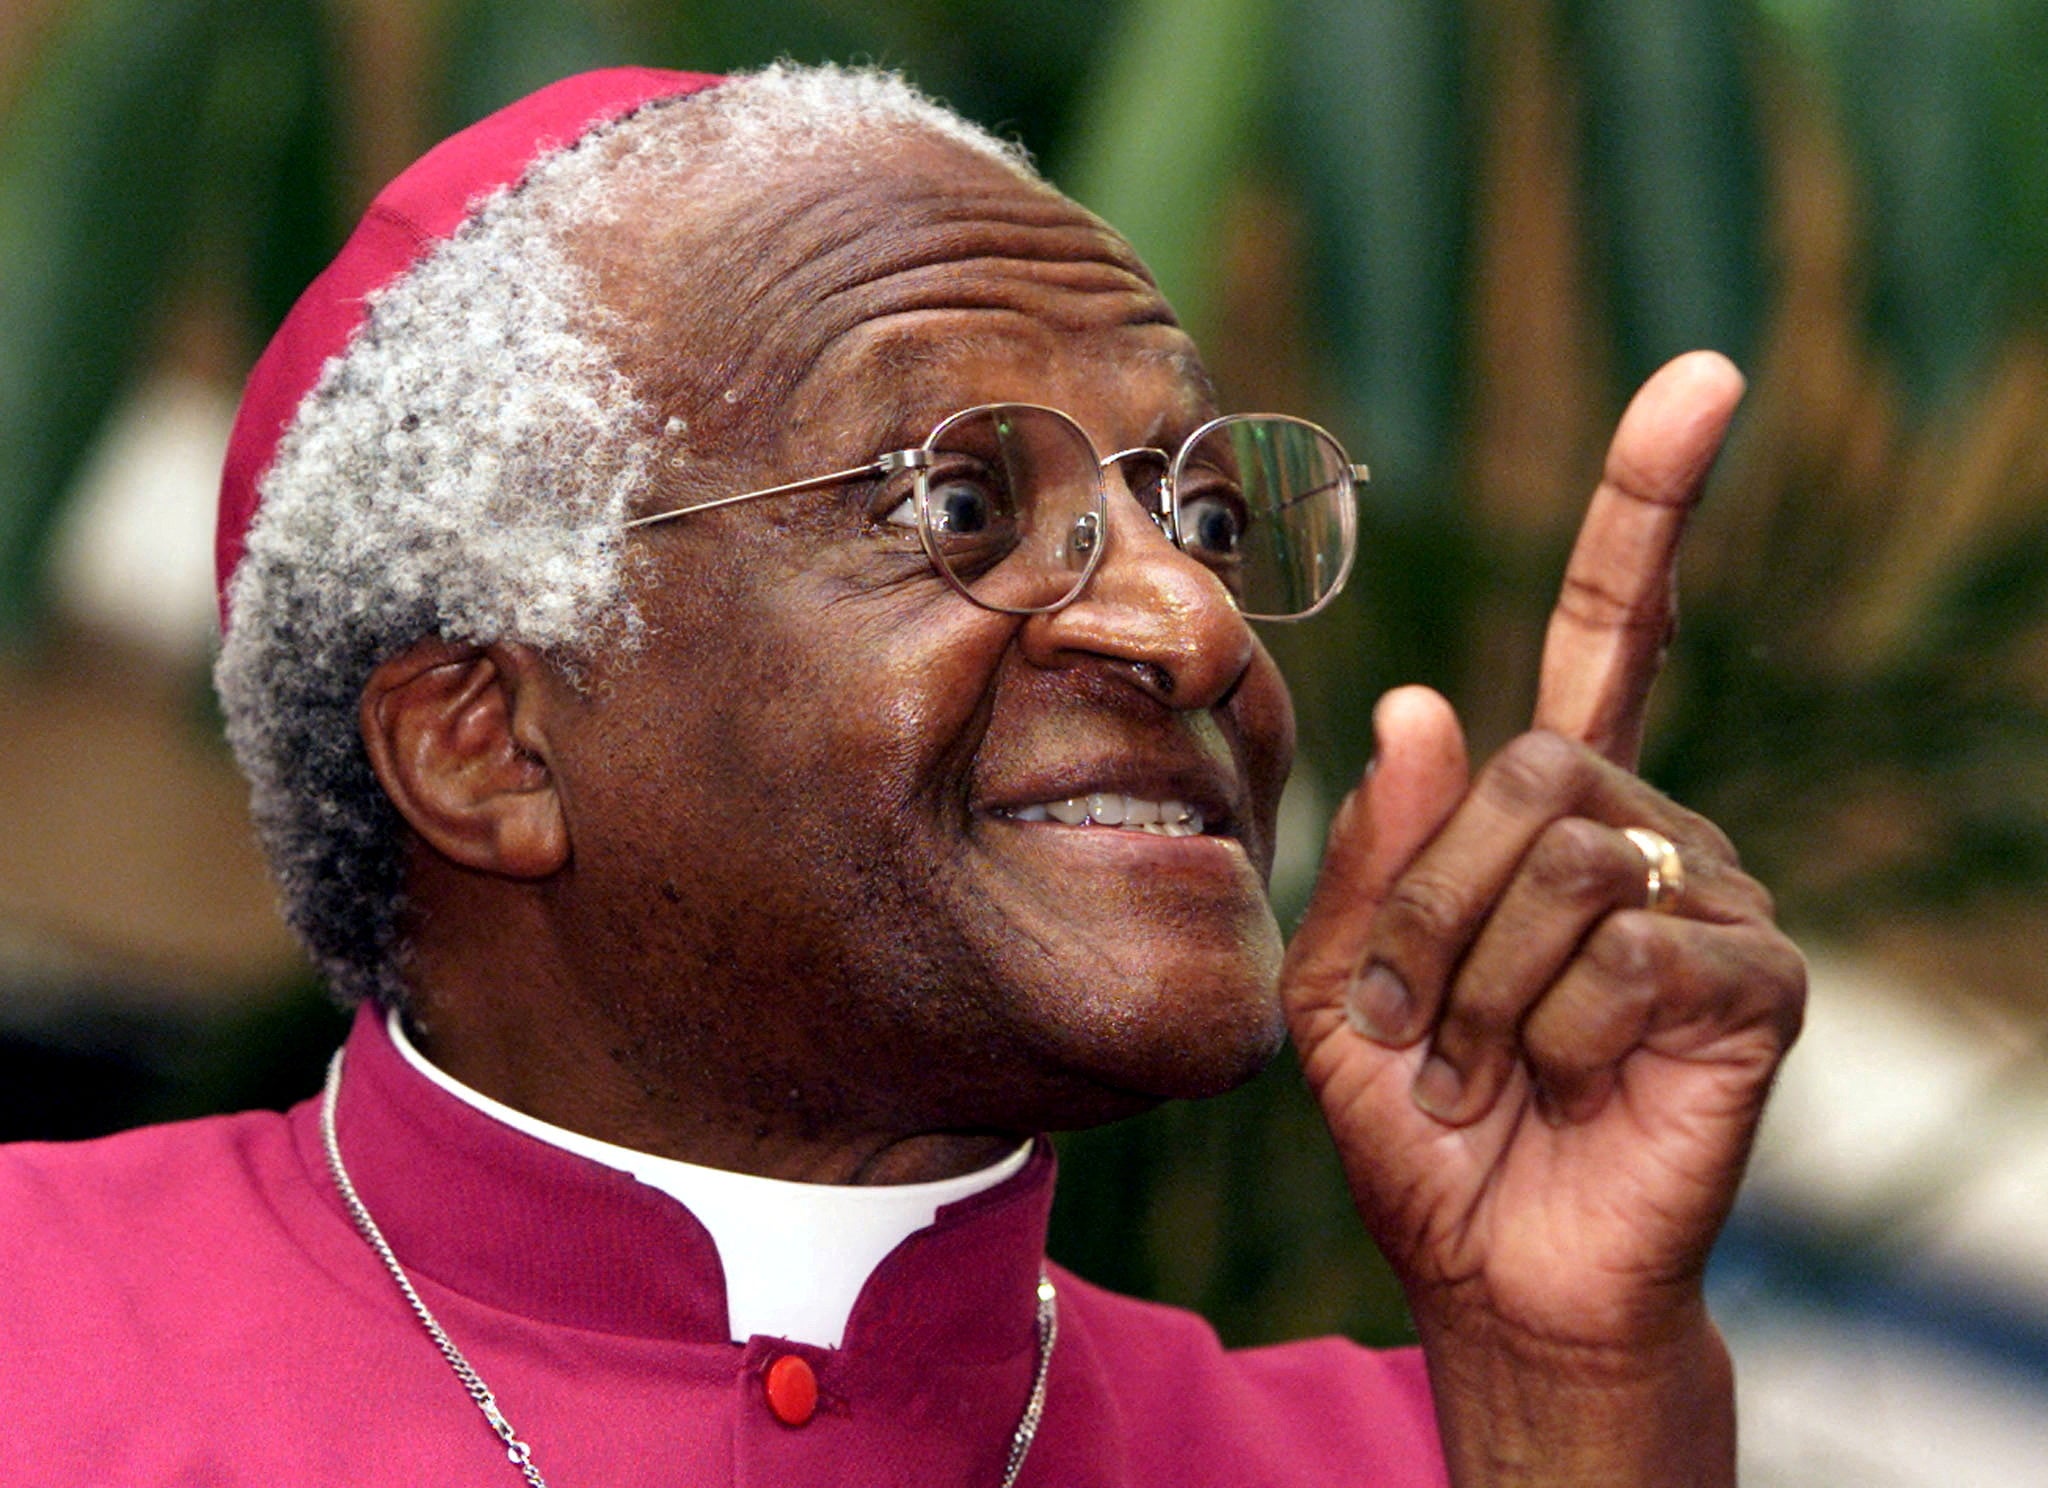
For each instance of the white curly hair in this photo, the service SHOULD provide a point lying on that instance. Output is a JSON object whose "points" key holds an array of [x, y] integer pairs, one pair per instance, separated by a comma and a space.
{"points": [[464, 469]]}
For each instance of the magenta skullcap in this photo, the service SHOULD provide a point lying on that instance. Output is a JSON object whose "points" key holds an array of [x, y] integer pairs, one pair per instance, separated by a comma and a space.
{"points": [[424, 206]]}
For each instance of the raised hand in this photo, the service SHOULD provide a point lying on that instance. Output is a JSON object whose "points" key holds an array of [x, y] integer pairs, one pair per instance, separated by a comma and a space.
{"points": [[1543, 1092]]}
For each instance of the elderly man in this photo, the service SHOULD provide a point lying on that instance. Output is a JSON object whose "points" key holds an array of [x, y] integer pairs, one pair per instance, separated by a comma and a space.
{"points": [[736, 606]]}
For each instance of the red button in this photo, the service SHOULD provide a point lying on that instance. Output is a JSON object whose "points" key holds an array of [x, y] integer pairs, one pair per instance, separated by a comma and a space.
{"points": [[792, 1389]]}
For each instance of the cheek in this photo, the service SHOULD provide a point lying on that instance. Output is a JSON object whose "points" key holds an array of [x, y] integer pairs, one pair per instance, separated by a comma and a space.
{"points": [[801, 708], [880, 702], [1263, 713]]}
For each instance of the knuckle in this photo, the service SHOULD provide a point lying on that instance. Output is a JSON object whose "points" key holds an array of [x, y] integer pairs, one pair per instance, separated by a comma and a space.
{"points": [[1537, 769], [1785, 968], [1711, 853], [1584, 597], [1628, 950], [1762, 901], [1705, 836], [1574, 859], [1423, 908], [1735, 897]]}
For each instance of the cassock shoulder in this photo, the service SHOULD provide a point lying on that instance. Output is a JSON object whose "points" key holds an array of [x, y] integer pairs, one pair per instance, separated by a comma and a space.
{"points": [[131, 1247], [119, 1199]]}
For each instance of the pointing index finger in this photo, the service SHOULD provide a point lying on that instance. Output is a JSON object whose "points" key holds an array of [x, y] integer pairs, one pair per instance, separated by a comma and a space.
{"points": [[1616, 611]]}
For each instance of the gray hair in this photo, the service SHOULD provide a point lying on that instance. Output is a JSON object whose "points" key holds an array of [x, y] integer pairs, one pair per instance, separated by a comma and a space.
{"points": [[464, 469]]}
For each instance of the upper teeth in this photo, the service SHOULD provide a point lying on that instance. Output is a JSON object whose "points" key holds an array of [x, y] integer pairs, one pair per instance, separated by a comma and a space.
{"points": [[1115, 809]]}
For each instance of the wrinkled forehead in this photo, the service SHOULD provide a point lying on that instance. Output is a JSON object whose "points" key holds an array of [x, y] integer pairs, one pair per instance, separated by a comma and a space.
{"points": [[723, 303]]}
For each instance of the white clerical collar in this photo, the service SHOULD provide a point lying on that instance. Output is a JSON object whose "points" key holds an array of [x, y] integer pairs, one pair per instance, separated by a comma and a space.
{"points": [[796, 1255]]}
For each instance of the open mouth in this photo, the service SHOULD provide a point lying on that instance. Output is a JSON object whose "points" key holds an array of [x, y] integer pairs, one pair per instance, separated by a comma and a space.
{"points": [[1114, 809]]}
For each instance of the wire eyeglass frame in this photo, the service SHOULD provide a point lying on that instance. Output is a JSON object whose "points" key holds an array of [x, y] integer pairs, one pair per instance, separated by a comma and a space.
{"points": [[1163, 507]]}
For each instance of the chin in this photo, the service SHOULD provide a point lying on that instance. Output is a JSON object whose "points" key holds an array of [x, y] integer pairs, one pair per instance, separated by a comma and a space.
{"points": [[1101, 1102], [1133, 1044]]}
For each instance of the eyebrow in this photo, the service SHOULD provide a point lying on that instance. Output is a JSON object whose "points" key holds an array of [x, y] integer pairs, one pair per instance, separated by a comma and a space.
{"points": [[911, 416]]}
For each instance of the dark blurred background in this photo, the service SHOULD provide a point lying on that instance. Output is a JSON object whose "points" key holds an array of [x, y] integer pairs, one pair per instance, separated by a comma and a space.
{"points": [[1459, 234]]}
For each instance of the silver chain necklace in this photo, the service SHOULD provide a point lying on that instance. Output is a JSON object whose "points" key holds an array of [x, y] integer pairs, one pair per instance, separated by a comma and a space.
{"points": [[521, 1455]]}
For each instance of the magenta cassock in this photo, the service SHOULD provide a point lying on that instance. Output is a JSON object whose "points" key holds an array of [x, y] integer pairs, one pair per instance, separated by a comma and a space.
{"points": [[190, 1304]]}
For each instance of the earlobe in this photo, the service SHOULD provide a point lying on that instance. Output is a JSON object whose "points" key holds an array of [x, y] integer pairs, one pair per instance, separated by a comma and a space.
{"points": [[457, 736]]}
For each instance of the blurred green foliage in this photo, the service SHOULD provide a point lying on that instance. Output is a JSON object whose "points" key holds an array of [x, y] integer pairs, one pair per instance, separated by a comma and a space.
{"points": [[158, 141]]}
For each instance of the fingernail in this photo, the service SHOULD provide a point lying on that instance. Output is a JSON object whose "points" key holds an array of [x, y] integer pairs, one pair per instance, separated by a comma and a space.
{"points": [[1438, 1088], [1378, 1006]]}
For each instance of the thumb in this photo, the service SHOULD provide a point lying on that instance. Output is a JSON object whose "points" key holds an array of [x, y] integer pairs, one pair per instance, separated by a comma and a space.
{"points": [[1417, 777]]}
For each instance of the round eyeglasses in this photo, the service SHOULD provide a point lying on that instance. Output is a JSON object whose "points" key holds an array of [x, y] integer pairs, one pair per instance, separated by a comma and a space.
{"points": [[1010, 505]]}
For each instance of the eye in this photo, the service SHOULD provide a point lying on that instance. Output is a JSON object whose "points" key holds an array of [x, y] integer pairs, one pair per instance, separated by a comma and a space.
{"points": [[962, 505], [1212, 524], [903, 513]]}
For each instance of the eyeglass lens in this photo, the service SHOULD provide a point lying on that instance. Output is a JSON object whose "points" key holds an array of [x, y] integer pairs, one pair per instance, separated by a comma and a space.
{"points": [[1013, 508], [1267, 501]]}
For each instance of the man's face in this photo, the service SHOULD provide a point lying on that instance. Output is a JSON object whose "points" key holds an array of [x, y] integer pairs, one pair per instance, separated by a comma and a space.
{"points": [[804, 852]]}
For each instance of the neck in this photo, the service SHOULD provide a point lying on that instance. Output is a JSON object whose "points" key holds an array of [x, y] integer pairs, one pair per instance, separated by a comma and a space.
{"points": [[541, 1224], [555, 1073]]}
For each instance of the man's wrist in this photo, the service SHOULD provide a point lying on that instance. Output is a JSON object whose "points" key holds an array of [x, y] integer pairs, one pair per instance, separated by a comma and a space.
{"points": [[1525, 1411]]}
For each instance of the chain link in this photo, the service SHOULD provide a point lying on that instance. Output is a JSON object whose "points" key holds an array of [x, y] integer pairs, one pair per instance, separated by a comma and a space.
{"points": [[1034, 1408], [516, 1451]]}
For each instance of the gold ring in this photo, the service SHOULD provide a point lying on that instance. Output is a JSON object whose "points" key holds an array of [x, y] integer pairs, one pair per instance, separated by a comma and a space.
{"points": [[1666, 870]]}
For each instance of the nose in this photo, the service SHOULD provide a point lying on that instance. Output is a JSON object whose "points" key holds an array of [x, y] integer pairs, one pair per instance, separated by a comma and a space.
{"points": [[1166, 618]]}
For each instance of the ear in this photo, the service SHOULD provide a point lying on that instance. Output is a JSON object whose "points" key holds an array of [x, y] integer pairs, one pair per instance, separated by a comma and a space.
{"points": [[457, 736]]}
